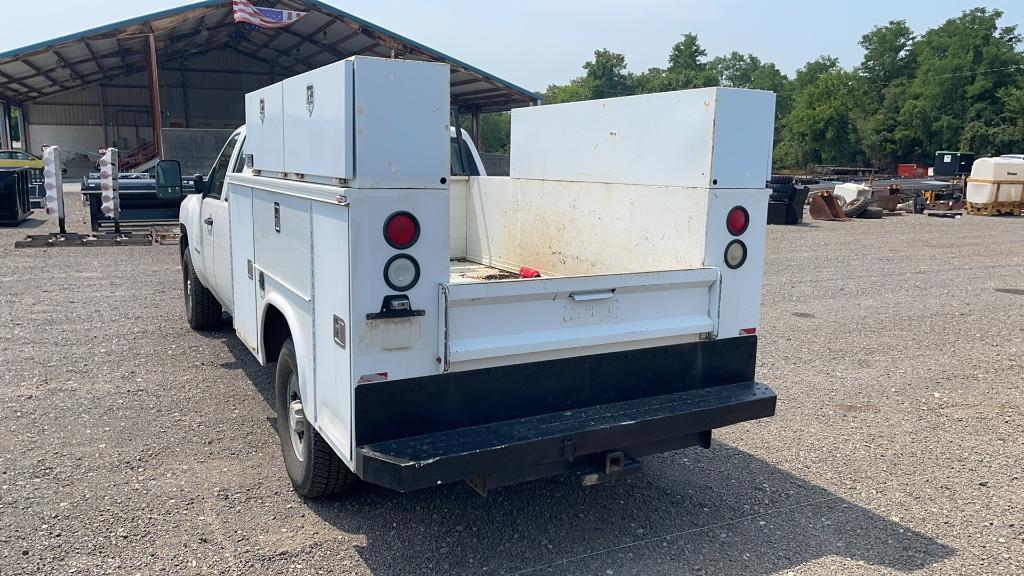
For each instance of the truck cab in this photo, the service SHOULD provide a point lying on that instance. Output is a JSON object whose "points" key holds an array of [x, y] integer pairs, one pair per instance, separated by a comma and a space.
{"points": [[428, 323]]}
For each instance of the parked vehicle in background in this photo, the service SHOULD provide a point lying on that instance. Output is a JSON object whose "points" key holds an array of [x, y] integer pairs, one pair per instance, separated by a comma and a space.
{"points": [[19, 159], [599, 305]]}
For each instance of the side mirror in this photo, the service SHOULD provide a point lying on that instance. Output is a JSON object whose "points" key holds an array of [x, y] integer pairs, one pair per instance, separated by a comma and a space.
{"points": [[168, 179], [198, 184]]}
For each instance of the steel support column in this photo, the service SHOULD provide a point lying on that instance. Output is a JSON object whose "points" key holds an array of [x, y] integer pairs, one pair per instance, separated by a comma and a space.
{"points": [[184, 95], [475, 127], [3, 125], [107, 141], [154, 98]]}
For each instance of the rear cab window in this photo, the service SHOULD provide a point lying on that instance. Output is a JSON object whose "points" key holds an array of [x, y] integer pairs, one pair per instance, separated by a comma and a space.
{"points": [[215, 182], [240, 158], [458, 169]]}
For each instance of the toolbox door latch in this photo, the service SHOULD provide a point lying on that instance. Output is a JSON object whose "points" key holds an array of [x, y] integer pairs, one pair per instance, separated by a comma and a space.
{"points": [[568, 449], [339, 332]]}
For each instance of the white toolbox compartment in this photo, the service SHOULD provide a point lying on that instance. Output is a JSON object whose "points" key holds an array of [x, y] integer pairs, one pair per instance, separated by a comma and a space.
{"points": [[318, 122], [264, 128], [704, 138], [361, 122]]}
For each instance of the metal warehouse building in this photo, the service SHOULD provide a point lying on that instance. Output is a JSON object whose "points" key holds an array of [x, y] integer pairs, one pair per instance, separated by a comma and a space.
{"points": [[171, 84]]}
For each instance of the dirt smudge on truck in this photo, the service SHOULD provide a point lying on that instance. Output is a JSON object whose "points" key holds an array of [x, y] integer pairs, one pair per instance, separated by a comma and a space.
{"points": [[392, 334]]}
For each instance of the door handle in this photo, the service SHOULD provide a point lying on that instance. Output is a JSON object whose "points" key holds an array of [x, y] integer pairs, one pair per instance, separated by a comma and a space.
{"points": [[209, 221], [591, 296]]}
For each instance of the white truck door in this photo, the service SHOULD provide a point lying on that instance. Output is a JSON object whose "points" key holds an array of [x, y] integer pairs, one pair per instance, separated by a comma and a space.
{"points": [[243, 274], [216, 227]]}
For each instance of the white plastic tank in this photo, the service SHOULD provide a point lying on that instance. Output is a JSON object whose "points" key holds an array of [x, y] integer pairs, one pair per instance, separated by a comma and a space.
{"points": [[996, 180]]}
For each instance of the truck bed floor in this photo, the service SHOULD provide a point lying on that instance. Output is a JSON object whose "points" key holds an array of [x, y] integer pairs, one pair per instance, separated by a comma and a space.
{"points": [[466, 271]]}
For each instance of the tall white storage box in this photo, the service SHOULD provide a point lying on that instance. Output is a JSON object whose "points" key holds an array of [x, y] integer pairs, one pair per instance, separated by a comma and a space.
{"points": [[626, 140], [318, 122], [401, 124], [362, 122], [264, 126]]}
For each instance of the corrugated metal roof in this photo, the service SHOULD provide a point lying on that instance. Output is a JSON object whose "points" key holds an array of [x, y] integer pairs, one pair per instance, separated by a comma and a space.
{"points": [[325, 35]]}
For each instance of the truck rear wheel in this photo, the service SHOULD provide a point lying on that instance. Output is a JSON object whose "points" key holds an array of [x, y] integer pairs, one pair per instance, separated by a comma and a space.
{"points": [[201, 308], [313, 467]]}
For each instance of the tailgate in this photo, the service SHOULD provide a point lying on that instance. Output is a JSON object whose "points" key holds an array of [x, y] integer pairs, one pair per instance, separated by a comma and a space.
{"points": [[526, 320]]}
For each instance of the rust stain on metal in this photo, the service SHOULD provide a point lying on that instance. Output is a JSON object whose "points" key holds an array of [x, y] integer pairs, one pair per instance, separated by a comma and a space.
{"points": [[825, 206], [391, 334]]}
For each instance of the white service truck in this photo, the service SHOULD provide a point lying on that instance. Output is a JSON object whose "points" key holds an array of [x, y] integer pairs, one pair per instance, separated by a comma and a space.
{"points": [[599, 305]]}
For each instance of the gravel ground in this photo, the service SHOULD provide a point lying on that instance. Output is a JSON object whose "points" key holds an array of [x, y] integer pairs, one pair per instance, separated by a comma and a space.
{"points": [[133, 445]]}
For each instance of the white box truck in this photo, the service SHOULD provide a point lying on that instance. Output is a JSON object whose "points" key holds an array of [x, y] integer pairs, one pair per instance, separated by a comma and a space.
{"points": [[599, 305]]}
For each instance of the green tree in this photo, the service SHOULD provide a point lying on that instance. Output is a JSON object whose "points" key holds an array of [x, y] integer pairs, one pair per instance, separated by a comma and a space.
{"points": [[574, 91], [495, 132], [687, 55], [606, 75], [1005, 134], [887, 54], [958, 85], [1011, 138], [810, 72], [821, 129], [687, 66], [888, 62], [962, 68], [651, 81]]}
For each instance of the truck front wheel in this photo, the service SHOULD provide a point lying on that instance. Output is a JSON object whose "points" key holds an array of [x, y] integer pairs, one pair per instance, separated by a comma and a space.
{"points": [[313, 467], [201, 308]]}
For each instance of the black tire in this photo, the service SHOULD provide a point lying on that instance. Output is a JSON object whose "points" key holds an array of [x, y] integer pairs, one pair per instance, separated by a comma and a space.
{"points": [[855, 206], [319, 472], [781, 179], [871, 213], [780, 197], [781, 187], [202, 310]]}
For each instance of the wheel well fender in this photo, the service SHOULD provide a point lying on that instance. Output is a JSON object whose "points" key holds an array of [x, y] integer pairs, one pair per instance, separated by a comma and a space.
{"points": [[183, 242], [277, 322]]}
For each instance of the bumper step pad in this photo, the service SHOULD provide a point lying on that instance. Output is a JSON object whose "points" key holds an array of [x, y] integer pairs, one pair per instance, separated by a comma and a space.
{"points": [[538, 441]]}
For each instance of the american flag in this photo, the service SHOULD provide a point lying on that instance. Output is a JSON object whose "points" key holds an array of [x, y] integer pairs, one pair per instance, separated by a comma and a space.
{"points": [[244, 11]]}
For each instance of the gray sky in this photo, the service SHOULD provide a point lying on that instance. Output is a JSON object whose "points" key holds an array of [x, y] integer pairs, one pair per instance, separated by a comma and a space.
{"points": [[534, 43]]}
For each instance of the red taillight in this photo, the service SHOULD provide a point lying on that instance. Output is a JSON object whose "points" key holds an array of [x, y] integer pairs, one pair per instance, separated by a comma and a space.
{"points": [[737, 220], [401, 230]]}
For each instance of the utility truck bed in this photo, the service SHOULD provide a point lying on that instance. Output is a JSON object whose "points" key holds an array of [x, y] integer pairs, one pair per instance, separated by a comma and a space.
{"points": [[463, 271], [408, 349]]}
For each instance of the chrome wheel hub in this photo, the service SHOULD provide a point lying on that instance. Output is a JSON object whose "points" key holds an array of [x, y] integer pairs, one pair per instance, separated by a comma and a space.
{"points": [[297, 425]]}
